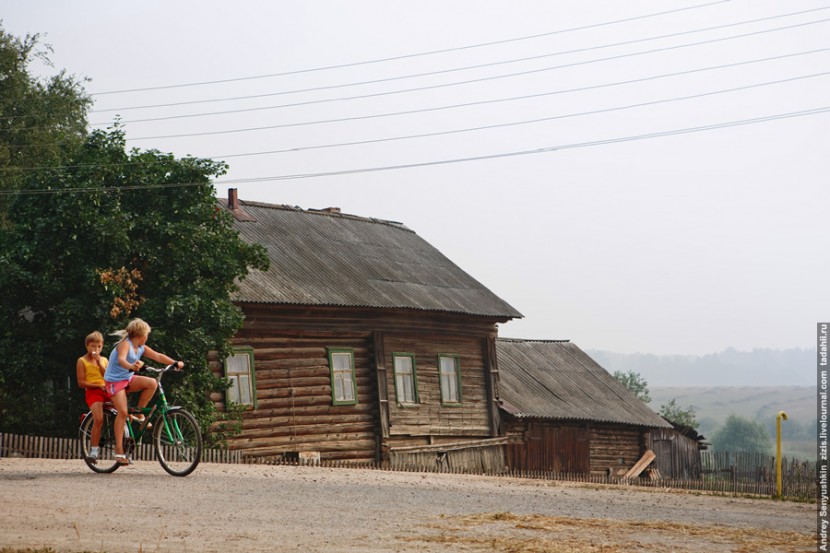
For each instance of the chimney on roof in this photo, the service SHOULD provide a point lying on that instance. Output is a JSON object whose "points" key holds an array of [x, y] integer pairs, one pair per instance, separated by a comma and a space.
{"points": [[234, 207], [331, 209]]}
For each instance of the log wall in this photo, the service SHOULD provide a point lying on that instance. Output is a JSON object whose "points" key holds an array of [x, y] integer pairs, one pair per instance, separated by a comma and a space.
{"points": [[294, 410], [429, 418], [614, 447]]}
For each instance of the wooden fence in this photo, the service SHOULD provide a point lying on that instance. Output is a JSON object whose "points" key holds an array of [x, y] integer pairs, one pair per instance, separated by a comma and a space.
{"points": [[39, 447], [752, 472], [478, 456], [722, 472]]}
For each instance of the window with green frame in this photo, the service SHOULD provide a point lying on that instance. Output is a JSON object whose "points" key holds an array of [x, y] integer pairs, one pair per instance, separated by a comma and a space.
{"points": [[449, 371], [239, 369], [406, 379], [343, 384]]}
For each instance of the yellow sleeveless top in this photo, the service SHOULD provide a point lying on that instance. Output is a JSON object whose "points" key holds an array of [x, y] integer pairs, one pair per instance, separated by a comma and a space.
{"points": [[93, 371]]}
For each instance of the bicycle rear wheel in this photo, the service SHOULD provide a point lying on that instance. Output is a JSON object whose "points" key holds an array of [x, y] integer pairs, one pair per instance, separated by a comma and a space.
{"points": [[178, 442], [106, 445]]}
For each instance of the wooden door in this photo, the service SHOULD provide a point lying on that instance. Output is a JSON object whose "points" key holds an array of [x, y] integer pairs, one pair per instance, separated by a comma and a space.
{"points": [[552, 448]]}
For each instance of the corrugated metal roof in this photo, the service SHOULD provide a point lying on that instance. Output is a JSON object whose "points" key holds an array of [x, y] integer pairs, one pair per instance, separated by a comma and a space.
{"points": [[323, 258], [557, 380]]}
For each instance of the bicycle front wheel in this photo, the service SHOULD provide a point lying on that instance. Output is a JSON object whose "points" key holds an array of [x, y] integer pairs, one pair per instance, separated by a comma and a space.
{"points": [[178, 442], [106, 445]]}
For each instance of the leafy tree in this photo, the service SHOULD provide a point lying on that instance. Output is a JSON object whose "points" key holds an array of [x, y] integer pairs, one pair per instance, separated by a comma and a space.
{"points": [[740, 434], [635, 383], [638, 386], [42, 121], [95, 237], [678, 415]]}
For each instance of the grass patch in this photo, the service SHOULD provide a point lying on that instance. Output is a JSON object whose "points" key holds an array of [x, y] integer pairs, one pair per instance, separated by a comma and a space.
{"points": [[511, 533], [35, 550], [27, 550]]}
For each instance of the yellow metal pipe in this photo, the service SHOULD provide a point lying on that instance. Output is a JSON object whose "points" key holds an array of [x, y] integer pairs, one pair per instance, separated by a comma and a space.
{"points": [[778, 484]]}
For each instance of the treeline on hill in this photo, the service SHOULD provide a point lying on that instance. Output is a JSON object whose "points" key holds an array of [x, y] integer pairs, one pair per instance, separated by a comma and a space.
{"points": [[735, 419], [759, 404], [92, 235]]}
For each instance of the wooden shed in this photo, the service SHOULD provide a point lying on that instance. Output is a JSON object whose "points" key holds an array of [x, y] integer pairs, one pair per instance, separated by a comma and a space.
{"points": [[565, 413], [677, 451], [361, 342]]}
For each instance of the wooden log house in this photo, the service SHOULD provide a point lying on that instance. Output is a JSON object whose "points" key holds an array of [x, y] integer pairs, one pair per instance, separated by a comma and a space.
{"points": [[361, 342], [564, 413]]}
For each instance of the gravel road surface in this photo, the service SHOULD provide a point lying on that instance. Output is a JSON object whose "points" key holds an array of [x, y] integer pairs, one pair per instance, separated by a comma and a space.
{"points": [[64, 506]]}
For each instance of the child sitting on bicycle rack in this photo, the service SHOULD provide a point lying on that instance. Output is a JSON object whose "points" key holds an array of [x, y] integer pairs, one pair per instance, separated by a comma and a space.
{"points": [[89, 370], [120, 377]]}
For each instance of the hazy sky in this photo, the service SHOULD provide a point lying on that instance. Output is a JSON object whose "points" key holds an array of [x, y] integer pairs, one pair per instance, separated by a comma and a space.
{"points": [[618, 231]]}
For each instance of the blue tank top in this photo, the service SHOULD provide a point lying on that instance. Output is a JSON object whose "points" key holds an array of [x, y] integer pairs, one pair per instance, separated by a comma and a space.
{"points": [[115, 372]]}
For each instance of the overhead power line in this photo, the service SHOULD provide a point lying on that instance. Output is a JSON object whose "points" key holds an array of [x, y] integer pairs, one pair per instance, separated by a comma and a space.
{"points": [[548, 149], [414, 55], [464, 130], [526, 122], [479, 102], [471, 81], [456, 69], [561, 147]]}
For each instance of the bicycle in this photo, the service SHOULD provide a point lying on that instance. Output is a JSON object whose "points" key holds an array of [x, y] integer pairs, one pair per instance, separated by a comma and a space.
{"points": [[177, 439]]}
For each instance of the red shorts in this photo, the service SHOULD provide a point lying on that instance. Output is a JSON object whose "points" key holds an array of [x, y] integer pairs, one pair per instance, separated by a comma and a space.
{"points": [[115, 387], [95, 395]]}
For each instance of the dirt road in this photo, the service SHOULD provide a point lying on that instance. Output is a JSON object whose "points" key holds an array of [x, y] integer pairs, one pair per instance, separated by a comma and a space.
{"points": [[64, 506]]}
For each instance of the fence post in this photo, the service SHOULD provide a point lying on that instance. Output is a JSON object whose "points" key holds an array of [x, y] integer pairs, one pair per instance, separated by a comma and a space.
{"points": [[778, 485]]}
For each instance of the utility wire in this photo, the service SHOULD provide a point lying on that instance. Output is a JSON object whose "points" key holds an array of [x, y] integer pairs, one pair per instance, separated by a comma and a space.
{"points": [[418, 54], [471, 81], [455, 69], [457, 131], [454, 83], [476, 103], [452, 106], [526, 122], [561, 147], [548, 149]]}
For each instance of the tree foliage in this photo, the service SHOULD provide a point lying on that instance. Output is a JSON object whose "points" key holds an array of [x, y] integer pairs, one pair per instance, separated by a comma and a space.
{"points": [[740, 434], [672, 412], [41, 120], [684, 416], [95, 237], [635, 383]]}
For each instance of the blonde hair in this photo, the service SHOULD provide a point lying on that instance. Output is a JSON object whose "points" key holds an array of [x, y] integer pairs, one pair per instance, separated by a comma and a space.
{"points": [[136, 327], [94, 337]]}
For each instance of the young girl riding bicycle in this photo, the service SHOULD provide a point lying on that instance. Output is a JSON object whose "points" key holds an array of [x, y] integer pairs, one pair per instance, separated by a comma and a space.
{"points": [[120, 377]]}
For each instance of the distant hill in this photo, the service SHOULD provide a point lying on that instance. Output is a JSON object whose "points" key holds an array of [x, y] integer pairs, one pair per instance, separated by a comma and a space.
{"points": [[713, 404], [759, 367], [750, 402]]}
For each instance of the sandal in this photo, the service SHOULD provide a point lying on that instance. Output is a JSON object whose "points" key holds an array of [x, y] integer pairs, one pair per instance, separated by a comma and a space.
{"points": [[92, 456], [122, 459], [140, 420]]}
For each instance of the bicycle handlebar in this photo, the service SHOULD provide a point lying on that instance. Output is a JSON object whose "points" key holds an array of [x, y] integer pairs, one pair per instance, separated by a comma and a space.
{"points": [[163, 370]]}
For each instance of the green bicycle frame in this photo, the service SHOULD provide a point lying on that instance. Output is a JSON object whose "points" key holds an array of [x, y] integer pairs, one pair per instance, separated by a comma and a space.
{"points": [[155, 412]]}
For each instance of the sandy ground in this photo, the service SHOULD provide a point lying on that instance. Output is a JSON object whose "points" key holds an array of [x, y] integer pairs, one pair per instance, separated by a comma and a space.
{"points": [[66, 507]]}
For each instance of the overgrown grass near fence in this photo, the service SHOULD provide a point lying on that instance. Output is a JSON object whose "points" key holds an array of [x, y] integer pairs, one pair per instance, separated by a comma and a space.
{"points": [[723, 472]]}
